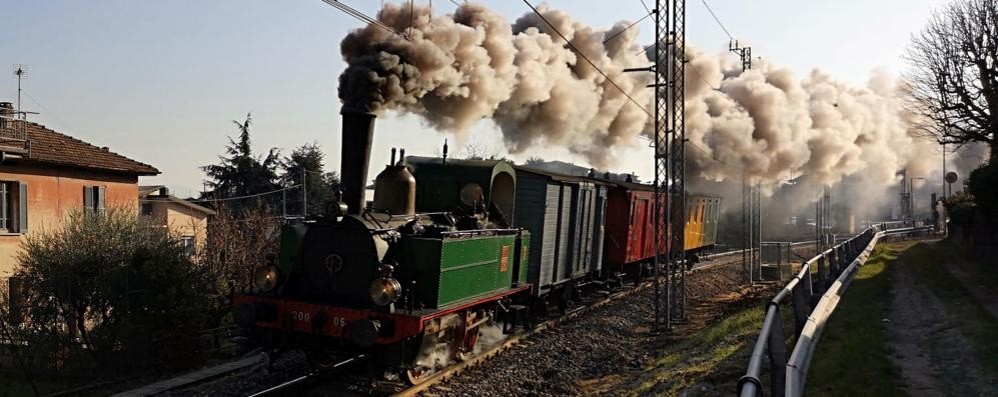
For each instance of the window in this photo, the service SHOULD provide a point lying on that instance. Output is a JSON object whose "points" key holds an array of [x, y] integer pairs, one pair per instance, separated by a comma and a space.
{"points": [[188, 243], [13, 207], [93, 199], [146, 209]]}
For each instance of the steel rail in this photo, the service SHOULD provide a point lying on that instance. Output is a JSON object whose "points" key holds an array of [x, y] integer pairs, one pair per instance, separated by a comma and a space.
{"points": [[512, 340], [307, 377]]}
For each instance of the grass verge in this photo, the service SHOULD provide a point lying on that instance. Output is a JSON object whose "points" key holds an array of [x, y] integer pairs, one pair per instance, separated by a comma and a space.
{"points": [[852, 357], [709, 362]]}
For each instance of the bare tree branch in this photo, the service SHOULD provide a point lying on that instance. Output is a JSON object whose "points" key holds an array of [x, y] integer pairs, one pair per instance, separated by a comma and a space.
{"points": [[952, 81]]}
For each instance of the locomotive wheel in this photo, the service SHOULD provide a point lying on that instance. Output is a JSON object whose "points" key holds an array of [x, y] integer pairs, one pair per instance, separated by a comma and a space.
{"points": [[470, 341], [417, 375]]}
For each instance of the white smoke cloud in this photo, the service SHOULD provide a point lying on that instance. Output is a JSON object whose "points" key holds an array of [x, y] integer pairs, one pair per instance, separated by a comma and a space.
{"points": [[764, 124], [769, 126], [454, 70]]}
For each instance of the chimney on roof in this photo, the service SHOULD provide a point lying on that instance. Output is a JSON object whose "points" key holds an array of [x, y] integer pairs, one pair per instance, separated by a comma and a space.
{"points": [[7, 109], [105, 148]]}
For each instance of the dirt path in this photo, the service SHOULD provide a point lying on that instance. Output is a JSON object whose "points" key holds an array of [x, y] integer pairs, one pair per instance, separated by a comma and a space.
{"points": [[935, 358], [982, 294]]}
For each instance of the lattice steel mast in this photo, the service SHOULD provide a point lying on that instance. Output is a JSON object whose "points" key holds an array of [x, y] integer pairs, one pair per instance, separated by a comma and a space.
{"points": [[748, 191], [661, 164], [669, 141], [677, 156]]}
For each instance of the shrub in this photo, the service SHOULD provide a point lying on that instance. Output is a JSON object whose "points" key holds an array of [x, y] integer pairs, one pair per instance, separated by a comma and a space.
{"points": [[983, 185], [961, 208], [125, 287], [238, 242]]}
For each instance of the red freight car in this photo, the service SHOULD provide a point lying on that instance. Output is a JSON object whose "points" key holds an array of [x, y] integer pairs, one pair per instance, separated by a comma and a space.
{"points": [[630, 227]]}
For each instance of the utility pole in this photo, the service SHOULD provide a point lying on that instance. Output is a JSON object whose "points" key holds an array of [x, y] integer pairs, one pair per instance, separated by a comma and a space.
{"points": [[304, 193], [749, 202], [670, 166]]}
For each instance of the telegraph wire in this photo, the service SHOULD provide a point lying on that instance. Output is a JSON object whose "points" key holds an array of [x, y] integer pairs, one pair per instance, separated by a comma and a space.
{"points": [[718, 20], [613, 36], [363, 17], [704, 79], [645, 6], [246, 196], [712, 156], [590, 62]]}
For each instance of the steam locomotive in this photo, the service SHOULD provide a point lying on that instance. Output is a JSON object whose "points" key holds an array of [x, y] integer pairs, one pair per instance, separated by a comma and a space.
{"points": [[490, 244]]}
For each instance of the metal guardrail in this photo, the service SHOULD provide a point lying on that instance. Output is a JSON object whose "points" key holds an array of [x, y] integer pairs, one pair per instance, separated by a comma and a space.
{"points": [[834, 269]]}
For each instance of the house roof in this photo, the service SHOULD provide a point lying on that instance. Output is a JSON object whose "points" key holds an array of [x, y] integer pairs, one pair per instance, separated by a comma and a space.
{"points": [[145, 190], [146, 194], [50, 147]]}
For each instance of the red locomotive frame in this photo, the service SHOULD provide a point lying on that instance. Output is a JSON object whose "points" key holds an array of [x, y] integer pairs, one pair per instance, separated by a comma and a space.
{"points": [[291, 315]]}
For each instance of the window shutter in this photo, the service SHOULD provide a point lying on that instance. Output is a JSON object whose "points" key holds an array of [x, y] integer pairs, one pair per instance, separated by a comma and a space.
{"points": [[22, 205], [88, 199], [101, 193]]}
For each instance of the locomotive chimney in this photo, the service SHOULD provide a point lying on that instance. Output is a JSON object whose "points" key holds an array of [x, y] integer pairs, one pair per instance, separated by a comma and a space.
{"points": [[358, 133]]}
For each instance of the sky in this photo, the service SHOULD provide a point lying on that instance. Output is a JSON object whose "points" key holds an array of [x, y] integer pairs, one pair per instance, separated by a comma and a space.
{"points": [[161, 81]]}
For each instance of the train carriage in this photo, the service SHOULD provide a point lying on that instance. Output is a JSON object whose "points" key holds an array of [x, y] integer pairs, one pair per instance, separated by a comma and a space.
{"points": [[565, 217], [630, 227]]}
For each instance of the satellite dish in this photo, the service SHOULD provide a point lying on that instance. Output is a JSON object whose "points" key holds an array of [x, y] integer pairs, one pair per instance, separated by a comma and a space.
{"points": [[952, 177]]}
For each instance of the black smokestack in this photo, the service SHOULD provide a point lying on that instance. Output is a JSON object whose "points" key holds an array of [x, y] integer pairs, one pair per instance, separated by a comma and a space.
{"points": [[355, 156]]}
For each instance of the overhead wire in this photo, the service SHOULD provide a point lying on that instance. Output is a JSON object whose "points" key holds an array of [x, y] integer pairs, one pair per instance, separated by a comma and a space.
{"points": [[586, 58], [693, 67], [246, 196], [645, 6], [363, 17], [716, 19], [613, 36]]}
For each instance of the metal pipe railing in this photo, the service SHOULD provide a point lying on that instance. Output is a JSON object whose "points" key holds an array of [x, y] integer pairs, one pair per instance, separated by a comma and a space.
{"points": [[800, 293]]}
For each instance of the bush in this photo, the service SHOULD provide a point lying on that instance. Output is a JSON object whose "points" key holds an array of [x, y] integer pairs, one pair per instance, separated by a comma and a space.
{"points": [[983, 185], [238, 242], [123, 287], [961, 208]]}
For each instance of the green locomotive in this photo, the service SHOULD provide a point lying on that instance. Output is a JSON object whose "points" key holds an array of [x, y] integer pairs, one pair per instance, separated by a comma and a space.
{"points": [[400, 285]]}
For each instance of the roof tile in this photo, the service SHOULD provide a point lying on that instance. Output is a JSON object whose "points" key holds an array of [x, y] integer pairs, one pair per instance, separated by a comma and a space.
{"points": [[48, 146]]}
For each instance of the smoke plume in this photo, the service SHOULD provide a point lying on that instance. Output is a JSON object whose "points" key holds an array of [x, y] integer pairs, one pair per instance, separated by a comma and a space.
{"points": [[767, 125], [454, 70], [763, 124]]}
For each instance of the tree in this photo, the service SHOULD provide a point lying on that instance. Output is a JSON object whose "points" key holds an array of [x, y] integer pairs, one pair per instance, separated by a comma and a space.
{"points": [[307, 161], [126, 288], [237, 243], [476, 150], [952, 84], [239, 173]]}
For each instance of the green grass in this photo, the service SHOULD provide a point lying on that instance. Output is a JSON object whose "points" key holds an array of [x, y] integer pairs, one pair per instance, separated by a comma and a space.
{"points": [[852, 356], [974, 322], [707, 363]]}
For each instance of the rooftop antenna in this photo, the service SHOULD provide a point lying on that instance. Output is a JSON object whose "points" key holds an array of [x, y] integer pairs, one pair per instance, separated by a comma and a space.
{"points": [[21, 71]]}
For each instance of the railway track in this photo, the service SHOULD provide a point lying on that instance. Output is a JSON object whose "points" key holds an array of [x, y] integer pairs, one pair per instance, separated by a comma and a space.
{"points": [[450, 372], [323, 381], [304, 380]]}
